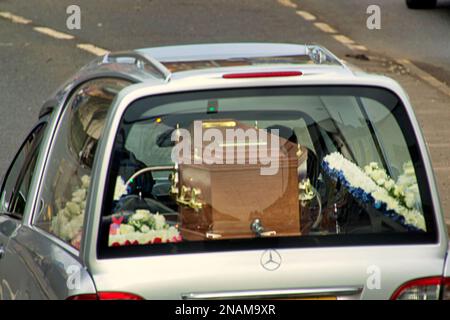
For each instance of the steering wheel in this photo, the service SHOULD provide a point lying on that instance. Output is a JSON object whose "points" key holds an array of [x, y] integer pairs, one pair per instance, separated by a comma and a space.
{"points": [[148, 169]]}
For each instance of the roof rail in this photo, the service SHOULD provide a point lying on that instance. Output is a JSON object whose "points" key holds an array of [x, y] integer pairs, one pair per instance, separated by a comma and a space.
{"points": [[320, 55], [140, 61]]}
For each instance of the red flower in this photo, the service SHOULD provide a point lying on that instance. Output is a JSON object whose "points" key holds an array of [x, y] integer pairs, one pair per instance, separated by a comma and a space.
{"points": [[127, 243], [157, 240], [115, 244], [117, 220]]}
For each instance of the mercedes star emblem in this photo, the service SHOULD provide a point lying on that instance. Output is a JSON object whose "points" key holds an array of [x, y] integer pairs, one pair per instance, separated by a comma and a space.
{"points": [[271, 260]]}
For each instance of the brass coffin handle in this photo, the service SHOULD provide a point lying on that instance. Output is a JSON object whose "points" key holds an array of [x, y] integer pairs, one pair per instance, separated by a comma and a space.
{"points": [[189, 198], [257, 228]]}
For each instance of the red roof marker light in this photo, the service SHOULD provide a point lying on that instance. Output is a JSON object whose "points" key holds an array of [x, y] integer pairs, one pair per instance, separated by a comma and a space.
{"points": [[269, 74]]}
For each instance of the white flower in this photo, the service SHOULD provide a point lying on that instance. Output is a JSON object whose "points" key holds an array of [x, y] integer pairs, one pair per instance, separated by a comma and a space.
{"points": [[410, 199], [69, 230], [390, 184], [408, 169], [408, 184], [172, 232], [73, 208], [141, 215], [144, 238], [126, 229], [160, 221], [85, 181], [354, 175], [120, 188], [79, 194], [376, 182]]}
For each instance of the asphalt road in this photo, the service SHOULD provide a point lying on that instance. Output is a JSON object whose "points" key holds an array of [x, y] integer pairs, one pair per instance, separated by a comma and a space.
{"points": [[32, 65], [422, 36]]}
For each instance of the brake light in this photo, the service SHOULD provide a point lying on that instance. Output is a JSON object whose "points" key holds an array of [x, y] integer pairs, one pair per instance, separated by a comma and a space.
{"points": [[269, 74], [424, 289], [446, 291], [92, 296], [106, 296]]}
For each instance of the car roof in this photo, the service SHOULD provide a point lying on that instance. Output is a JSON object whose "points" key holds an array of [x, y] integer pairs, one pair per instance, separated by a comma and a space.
{"points": [[170, 64], [177, 62], [223, 51]]}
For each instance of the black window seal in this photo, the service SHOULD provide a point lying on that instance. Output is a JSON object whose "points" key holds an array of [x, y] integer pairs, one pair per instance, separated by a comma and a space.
{"points": [[382, 239]]}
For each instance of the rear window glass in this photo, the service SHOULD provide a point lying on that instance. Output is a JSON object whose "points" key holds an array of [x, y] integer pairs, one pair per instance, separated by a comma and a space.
{"points": [[239, 169]]}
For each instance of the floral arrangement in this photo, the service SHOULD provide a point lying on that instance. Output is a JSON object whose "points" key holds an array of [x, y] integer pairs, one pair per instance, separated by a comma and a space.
{"points": [[68, 222], [397, 200], [405, 190], [142, 227]]}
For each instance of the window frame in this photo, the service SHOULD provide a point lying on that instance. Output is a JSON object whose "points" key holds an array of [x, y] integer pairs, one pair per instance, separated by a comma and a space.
{"points": [[432, 235], [43, 125], [61, 111]]}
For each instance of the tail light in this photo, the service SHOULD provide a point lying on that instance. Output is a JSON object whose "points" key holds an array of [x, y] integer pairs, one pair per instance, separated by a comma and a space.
{"points": [[106, 296], [269, 74], [434, 288], [446, 291]]}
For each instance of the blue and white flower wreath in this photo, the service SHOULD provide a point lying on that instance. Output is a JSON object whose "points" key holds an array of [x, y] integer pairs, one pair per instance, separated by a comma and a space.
{"points": [[363, 187]]}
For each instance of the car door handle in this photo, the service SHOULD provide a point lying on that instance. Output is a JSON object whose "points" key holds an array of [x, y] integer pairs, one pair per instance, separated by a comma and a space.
{"points": [[2, 251]]}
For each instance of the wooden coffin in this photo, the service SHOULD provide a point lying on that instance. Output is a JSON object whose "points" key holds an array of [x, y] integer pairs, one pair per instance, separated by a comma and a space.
{"points": [[235, 196]]}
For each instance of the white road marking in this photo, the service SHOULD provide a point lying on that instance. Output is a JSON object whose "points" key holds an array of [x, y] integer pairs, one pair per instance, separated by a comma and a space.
{"points": [[287, 3], [53, 33], [92, 49], [343, 39], [306, 15], [13, 18], [325, 27]]}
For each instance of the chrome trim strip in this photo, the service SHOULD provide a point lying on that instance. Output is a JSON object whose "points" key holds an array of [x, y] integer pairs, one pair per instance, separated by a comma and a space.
{"points": [[276, 293], [64, 245]]}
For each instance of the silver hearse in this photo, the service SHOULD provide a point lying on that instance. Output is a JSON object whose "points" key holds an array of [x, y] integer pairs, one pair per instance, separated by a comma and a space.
{"points": [[241, 170]]}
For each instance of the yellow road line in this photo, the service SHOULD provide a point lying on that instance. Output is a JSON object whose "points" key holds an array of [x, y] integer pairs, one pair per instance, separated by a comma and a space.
{"points": [[359, 47], [13, 18], [53, 33], [92, 49], [306, 15], [287, 3], [343, 39], [324, 27]]}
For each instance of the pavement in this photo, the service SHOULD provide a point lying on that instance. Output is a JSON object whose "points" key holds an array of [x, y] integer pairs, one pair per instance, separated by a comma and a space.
{"points": [[412, 46]]}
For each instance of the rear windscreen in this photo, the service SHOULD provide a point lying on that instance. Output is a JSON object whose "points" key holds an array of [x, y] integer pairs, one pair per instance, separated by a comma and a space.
{"points": [[267, 167]]}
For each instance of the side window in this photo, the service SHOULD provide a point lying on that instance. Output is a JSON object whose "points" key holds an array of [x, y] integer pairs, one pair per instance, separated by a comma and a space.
{"points": [[16, 185], [67, 175]]}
